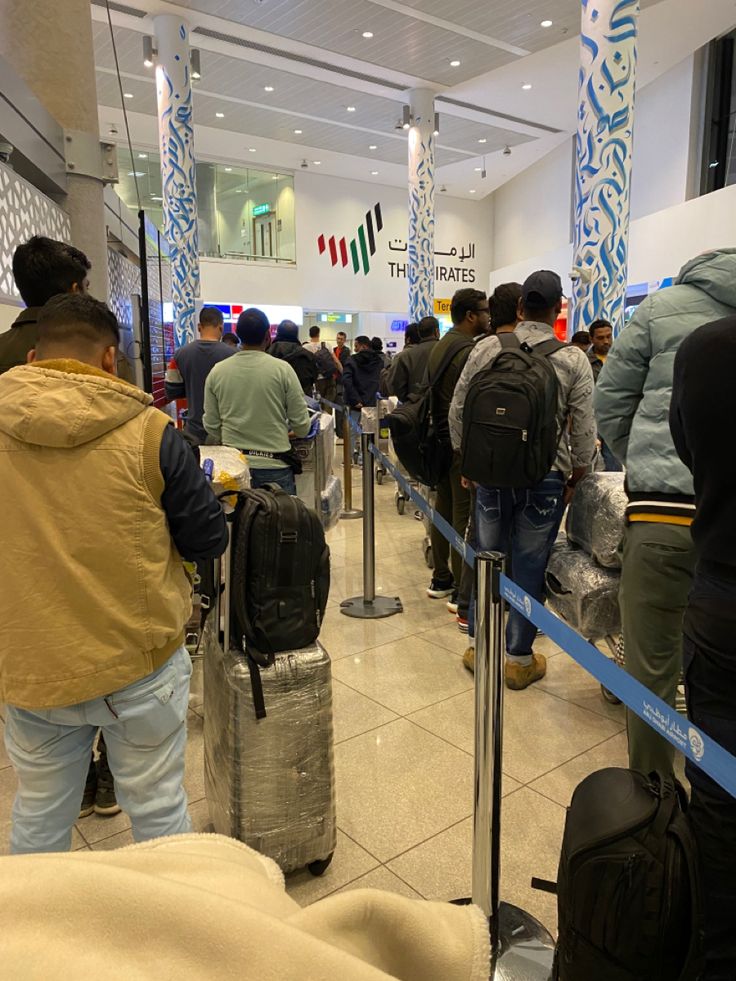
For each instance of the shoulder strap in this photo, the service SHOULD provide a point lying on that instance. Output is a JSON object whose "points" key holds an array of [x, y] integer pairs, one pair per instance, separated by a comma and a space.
{"points": [[508, 341], [548, 347], [448, 357]]}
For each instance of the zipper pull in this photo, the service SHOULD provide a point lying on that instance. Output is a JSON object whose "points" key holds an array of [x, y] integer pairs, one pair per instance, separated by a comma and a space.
{"points": [[524, 435]]}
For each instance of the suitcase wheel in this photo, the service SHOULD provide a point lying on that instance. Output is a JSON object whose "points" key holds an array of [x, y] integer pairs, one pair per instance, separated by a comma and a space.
{"points": [[379, 476], [610, 697], [320, 866], [401, 504]]}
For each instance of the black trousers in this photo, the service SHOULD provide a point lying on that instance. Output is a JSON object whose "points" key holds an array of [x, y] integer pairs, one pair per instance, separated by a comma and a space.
{"points": [[710, 679]]}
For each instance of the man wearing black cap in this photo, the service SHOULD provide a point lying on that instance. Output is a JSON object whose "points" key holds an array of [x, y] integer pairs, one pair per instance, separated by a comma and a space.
{"points": [[524, 523]]}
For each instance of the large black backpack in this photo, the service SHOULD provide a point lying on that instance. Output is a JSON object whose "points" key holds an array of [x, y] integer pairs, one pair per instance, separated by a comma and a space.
{"points": [[421, 441], [280, 578], [628, 895], [510, 433]]}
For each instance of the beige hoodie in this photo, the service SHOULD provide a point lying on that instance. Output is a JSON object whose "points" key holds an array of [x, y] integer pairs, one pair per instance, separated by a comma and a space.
{"points": [[94, 595]]}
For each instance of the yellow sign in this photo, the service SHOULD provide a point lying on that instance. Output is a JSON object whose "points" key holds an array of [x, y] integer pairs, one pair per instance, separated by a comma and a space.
{"points": [[442, 307]]}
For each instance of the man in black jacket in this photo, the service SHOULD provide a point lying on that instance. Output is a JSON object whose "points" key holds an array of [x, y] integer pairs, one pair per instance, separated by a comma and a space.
{"points": [[408, 371], [362, 378], [703, 397], [287, 348]]}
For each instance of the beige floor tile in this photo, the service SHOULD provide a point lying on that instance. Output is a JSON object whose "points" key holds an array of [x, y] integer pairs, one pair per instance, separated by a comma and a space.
{"points": [[348, 582], [531, 835], [349, 863], [566, 679], [96, 828], [448, 636], [7, 793], [200, 815], [383, 879], [398, 785], [559, 784], [120, 840], [354, 713], [405, 676], [194, 773], [343, 636]]}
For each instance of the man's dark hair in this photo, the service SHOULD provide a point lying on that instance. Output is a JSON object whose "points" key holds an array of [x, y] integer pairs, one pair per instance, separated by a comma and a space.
{"points": [[341, 333], [504, 305], [581, 337], [377, 344], [363, 340], [597, 325], [427, 327], [211, 317], [411, 334], [43, 267], [464, 302], [314, 331], [253, 326], [74, 321]]}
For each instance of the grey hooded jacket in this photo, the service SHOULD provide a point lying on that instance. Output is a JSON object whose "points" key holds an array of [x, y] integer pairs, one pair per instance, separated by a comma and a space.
{"points": [[632, 397]]}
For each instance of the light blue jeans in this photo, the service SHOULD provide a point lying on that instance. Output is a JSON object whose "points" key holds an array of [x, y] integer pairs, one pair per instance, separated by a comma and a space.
{"points": [[145, 728]]}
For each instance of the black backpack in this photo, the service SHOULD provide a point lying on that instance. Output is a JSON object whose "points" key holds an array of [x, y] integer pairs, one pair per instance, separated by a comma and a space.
{"points": [[628, 894], [420, 440], [280, 578], [510, 433], [325, 363]]}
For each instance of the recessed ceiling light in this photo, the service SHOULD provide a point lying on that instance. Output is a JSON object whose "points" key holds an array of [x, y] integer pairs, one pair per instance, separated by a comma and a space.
{"points": [[156, 197], [251, 149], [483, 140], [478, 170], [142, 156], [546, 23], [128, 95], [374, 173], [220, 115], [317, 163], [373, 147], [526, 86], [350, 108], [367, 34], [275, 177], [268, 88], [136, 173], [228, 170], [298, 132], [455, 63], [472, 190]]}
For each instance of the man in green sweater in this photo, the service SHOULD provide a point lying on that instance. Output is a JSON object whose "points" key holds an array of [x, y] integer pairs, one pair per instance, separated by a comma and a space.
{"points": [[254, 402]]}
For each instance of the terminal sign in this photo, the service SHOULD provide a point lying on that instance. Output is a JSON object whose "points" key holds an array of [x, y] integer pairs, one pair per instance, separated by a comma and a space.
{"points": [[442, 307], [261, 209]]}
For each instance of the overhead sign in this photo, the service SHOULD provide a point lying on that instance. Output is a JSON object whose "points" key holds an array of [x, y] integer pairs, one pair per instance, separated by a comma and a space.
{"points": [[261, 209], [442, 307], [336, 318]]}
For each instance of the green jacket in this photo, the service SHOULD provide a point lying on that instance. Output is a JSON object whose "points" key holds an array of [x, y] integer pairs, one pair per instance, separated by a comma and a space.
{"points": [[632, 397], [19, 340]]}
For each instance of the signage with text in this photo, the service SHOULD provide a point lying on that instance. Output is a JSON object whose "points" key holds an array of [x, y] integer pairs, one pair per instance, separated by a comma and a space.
{"points": [[261, 209]]}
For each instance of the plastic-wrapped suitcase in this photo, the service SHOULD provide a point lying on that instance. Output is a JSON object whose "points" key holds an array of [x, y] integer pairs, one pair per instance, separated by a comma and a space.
{"points": [[582, 592], [331, 503], [596, 517]]}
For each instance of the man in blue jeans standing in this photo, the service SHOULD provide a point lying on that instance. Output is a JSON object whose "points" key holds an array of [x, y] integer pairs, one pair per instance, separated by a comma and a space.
{"points": [[101, 500], [524, 523], [254, 402]]}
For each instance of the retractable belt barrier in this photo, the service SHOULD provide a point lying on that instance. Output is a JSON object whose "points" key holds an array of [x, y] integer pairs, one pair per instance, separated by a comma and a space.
{"points": [[698, 747]]}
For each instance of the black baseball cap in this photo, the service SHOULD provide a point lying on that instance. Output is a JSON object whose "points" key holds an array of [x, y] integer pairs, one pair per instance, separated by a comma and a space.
{"points": [[542, 290]]}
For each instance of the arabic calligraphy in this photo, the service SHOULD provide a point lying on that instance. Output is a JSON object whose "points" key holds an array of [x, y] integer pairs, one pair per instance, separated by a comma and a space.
{"points": [[399, 245]]}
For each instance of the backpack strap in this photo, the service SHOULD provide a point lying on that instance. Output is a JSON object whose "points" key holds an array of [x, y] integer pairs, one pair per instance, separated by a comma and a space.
{"points": [[508, 341], [449, 356], [548, 347]]}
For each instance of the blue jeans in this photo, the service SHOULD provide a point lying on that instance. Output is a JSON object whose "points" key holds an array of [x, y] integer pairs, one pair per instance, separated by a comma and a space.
{"points": [[523, 524], [282, 476], [610, 462], [145, 730]]}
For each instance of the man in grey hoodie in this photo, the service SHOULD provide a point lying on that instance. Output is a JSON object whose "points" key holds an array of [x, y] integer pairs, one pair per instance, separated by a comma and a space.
{"points": [[632, 400]]}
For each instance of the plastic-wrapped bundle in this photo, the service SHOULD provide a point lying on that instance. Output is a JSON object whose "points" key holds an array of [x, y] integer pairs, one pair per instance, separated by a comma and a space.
{"points": [[231, 472], [596, 517], [369, 420], [270, 783], [331, 503], [318, 453], [582, 592]]}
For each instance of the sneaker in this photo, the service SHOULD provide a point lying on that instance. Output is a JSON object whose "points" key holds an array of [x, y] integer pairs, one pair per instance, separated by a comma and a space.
{"points": [[519, 677], [452, 602], [439, 588], [90, 790], [462, 623], [469, 659], [105, 801]]}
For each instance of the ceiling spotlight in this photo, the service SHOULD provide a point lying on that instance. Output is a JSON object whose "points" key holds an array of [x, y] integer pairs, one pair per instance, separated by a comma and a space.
{"points": [[156, 197], [406, 117], [373, 147], [268, 88], [128, 95], [350, 108], [374, 173], [443, 188], [220, 115], [367, 35], [142, 156], [483, 140], [526, 86], [317, 163], [455, 63], [546, 23], [196, 63], [478, 169], [228, 170], [507, 151], [472, 190], [298, 132], [275, 177], [148, 51], [136, 173], [251, 149]]}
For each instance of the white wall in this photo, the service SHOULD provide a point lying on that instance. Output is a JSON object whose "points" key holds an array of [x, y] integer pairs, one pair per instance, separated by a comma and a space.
{"points": [[330, 206], [532, 212]]}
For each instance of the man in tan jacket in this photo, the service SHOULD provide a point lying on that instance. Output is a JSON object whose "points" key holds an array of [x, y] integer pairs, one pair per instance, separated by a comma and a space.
{"points": [[101, 499]]}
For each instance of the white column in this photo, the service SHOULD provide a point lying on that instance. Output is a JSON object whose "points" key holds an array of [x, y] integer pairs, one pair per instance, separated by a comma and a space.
{"points": [[176, 137], [603, 160], [421, 205]]}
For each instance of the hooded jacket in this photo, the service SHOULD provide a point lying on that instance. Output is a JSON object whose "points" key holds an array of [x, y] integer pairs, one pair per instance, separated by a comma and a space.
{"points": [[287, 348], [632, 397], [97, 491], [362, 378]]}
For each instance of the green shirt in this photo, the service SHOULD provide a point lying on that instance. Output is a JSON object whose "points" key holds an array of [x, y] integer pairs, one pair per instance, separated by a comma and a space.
{"points": [[252, 401]]}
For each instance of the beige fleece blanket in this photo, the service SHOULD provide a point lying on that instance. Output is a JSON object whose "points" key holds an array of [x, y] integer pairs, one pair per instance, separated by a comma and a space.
{"points": [[207, 907]]}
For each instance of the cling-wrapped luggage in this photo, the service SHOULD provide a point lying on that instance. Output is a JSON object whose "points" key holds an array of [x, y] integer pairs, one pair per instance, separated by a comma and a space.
{"points": [[595, 521], [582, 592]]}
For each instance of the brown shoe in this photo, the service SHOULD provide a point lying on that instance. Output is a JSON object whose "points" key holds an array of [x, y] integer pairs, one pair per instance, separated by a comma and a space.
{"points": [[519, 677], [469, 659]]}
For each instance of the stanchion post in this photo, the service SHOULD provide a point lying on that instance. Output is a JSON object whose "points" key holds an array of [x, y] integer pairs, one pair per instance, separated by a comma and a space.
{"points": [[347, 465], [369, 606]]}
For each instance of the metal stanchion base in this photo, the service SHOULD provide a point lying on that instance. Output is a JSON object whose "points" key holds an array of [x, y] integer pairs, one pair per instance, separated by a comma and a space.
{"points": [[382, 606], [351, 513], [526, 948]]}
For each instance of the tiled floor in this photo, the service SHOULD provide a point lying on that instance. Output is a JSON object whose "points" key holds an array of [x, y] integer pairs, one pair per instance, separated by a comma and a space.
{"points": [[404, 743]]}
